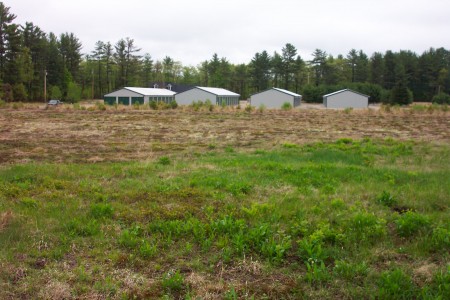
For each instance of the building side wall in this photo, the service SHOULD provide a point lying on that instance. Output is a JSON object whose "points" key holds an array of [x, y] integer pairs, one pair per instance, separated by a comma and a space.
{"points": [[271, 99], [346, 99], [186, 98]]}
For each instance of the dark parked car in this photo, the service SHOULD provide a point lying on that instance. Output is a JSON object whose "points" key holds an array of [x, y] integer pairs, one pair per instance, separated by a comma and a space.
{"points": [[54, 102]]}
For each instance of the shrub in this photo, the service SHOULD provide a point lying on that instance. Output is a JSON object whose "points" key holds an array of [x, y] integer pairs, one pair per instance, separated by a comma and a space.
{"points": [[348, 110], [249, 108], [395, 285], [100, 106], [441, 98], [173, 104], [286, 106], [2, 103], [153, 105], [411, 223], [261, 108]]}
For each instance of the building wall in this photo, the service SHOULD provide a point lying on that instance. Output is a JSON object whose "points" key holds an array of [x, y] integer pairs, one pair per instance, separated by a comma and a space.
{"points": [[271, 99], [123, 93], [195, 94], [346, 99]]}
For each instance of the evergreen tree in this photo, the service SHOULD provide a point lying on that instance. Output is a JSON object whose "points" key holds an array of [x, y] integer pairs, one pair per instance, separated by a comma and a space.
{"points": [[6, 19], [389, 70], [288, 54], [376, 67], [259, 69], [318, 64], [400, 94]]}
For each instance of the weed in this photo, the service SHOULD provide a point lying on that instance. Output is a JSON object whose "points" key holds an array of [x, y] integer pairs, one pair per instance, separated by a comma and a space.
{"points": [[289, 145], [173, 281], [440, 238], [366, 228], [316, 273], [128, 239], [348, 110], [164, 160], [2, 103], [29, 202], [83, 227], [411, 223], [102, 210], [286, 106], [249, 109], [350, 271], [231, 294], [395, 284], [147, 250], [229, 149], [387, 199]]}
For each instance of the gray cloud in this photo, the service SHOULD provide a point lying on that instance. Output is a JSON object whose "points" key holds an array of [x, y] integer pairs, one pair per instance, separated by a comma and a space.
{"points": [[191, 31]]}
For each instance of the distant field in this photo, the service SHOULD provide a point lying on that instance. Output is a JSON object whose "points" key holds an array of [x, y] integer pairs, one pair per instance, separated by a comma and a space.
{"points": [[228, 204]]}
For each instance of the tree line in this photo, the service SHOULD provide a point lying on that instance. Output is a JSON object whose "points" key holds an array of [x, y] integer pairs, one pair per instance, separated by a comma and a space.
{"points": [[29, 56]]}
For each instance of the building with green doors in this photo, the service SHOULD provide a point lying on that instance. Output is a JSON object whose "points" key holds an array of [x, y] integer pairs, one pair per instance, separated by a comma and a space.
{"points": [[137, 95]]}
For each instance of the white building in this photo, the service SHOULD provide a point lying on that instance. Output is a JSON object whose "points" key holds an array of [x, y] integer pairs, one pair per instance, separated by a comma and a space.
{"points": [[217, 96], [132, 95], [346, 99], [275, 98]]}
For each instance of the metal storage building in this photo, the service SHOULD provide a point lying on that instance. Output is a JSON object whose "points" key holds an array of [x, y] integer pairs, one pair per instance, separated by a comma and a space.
{"points": [[275, 98], [132, 95], [346, 99], [217, 96]]}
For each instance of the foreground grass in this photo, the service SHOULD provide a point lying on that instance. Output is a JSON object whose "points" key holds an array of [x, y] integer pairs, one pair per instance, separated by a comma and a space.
{"points": [[349, 219]]}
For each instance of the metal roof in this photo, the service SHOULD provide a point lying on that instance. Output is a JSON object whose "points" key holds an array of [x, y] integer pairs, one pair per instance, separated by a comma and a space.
{"points": [[282, 91], [344, 90], [217, 91], [150, 91]]}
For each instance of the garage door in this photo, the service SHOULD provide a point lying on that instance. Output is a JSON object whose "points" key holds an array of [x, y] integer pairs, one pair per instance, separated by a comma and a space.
{"points": [[137, 100], [110, 100], [124, 100]]}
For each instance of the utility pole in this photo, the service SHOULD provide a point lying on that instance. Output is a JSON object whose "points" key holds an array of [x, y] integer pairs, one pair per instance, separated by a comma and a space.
{"points": [[92, 73], [45, 86]]}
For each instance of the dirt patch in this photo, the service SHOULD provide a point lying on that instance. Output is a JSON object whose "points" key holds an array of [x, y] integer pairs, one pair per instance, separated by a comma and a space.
{"points": [[5, 219], [121, 135]]}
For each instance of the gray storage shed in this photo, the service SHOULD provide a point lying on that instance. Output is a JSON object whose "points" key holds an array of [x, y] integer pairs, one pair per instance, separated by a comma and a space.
{"points": [[275, 98], [346, 99], [132, 95], [217, 96]]}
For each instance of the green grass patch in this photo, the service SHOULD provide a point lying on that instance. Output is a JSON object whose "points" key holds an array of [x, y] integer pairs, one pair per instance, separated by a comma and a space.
{"points": [[327, 220]]}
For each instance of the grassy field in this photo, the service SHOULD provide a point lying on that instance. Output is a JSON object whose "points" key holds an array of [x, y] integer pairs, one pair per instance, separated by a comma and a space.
{"points": [[186, 204]]}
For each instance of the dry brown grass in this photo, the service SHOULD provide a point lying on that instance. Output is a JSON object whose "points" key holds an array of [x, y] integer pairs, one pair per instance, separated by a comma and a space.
{"points": [[60, 134], [5, 219]]}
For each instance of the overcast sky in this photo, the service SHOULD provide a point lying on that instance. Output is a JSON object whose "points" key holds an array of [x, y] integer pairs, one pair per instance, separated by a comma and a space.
{"points": [[191, 31]]}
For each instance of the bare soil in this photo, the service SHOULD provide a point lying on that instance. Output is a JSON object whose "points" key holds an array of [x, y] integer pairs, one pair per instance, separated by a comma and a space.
{"points": [[64, 134]]}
